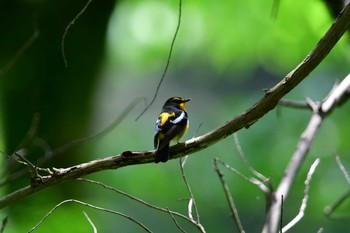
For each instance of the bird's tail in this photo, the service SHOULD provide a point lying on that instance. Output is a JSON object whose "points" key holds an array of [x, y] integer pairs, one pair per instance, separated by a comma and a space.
{"points": [[162, 155]]}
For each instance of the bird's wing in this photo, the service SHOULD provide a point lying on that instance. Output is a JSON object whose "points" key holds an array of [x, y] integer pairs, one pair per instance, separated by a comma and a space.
{"points": [[172, 127], [161, 124]]}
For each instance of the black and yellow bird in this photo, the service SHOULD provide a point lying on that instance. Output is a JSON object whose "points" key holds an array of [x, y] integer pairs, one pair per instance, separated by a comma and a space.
{"points": [[172, 124]]}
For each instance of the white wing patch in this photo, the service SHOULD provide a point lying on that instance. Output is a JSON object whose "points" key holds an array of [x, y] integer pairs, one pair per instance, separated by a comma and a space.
{"points": [[178, 119], [158, 126]]}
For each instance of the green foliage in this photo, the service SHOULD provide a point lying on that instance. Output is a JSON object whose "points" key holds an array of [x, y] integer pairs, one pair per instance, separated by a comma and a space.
{"points": [[225, 54], [237, 35]]}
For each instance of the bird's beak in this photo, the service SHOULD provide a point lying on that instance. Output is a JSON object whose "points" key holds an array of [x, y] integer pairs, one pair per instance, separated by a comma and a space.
{"points": [[182, 105]]}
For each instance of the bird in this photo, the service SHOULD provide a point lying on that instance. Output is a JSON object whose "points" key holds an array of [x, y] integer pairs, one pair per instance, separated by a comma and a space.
{"points": [[172, 124]]}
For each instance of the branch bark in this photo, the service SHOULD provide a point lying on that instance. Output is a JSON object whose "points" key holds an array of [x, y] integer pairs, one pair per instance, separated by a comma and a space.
{"points": [[319, 113], [245, 119]]}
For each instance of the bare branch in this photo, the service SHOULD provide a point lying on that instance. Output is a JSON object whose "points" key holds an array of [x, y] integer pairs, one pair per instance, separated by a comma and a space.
{"points": [[19, 53], [67, 29], [176, 223], [20, 152], [337, 95], [31, 132], [252, 180], [231, 203], [300, 215], [105, 131], [3, 224], [197, 129], [167, 63], [192, 201], [245, 119], [91, 223], [307, 104], [320, 112], [329, 210], [32, 168], [259, 183], [343, 169], [90, 206], [294, 104], [50, 153], [165, 210], [243, 157]]}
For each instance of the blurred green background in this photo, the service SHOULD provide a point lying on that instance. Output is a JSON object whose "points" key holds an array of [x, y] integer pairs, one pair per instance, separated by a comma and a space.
{"points": [[225, 54]]}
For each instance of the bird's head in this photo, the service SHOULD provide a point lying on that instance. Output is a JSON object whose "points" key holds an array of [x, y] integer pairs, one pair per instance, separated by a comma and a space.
{"points": [[177, 102]]}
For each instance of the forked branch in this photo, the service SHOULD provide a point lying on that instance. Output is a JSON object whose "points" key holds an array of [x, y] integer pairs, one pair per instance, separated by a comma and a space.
{"points": [[245, 119], [320, 111]]}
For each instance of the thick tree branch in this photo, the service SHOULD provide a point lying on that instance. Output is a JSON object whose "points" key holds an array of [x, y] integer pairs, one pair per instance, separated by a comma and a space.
{"points": [[245, 119]]}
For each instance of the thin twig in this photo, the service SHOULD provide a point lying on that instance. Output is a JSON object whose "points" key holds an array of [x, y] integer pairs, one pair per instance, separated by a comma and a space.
{"points": [[67, 29], [329, 210], [19, 53], [300, 215], [192, 201], [5, 179], [294, 104], [91, 223], [105, 131], [167, 63], [244, 159], [199, 226], [243, 120], [231, 203], [90, 206], [343, 169], [74, 143], [3, 224], [176, 223], [32, 131], [252, 180], [20, 152], [23, 160], [196, 132]]}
